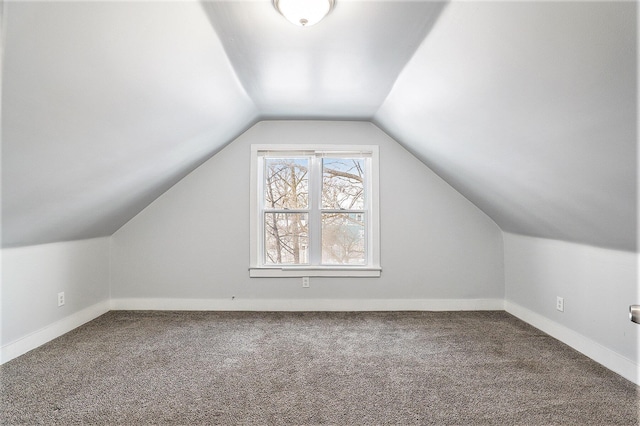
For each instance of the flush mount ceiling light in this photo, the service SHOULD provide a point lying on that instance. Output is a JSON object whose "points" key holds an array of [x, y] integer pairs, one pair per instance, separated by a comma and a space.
{"points": [[304, 12]]}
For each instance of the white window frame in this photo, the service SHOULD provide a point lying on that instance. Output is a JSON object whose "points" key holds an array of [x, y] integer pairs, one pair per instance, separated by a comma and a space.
{"points": [[257, 267]]}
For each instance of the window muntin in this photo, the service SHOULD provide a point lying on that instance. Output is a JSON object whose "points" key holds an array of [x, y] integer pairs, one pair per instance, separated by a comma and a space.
{"points": [[314, 211], [286, 210]]}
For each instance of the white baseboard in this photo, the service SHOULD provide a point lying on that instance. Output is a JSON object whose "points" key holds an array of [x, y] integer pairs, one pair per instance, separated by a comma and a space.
{"points": [[308, 304], [37, 338], [615, 362], [608, 358]]}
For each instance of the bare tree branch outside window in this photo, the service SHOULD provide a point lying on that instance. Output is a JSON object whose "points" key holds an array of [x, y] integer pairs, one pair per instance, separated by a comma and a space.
{"points": [[342, 215], [343, 226], [286, 188]]}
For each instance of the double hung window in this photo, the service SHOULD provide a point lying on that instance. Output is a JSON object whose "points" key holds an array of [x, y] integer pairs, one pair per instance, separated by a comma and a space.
{"points": [[314, 211]]}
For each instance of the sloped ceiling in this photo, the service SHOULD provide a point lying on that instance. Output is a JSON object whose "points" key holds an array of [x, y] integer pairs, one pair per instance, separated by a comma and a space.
{"points": [[105, 105], [527, 108]]}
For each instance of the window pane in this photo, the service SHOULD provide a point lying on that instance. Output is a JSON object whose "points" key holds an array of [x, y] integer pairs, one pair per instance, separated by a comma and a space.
{"points": [[286, 238], [343, 183], [286, 183], [343, 241]]}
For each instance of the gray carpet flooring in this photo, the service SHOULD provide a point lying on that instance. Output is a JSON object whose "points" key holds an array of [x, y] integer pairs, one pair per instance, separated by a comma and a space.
{"points": [[373, 368]]}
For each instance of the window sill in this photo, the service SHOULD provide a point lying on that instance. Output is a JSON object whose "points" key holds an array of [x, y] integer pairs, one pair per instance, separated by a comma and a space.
{"points": [[315, 271]]}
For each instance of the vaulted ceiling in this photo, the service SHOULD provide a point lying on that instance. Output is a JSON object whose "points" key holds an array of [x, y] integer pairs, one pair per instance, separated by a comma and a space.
{"points": [[529, 109]]}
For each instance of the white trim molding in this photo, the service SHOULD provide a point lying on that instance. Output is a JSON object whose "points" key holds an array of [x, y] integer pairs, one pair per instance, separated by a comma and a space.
{"points": [[308, 305], [38, 338], [615, 362], [315, 271]]}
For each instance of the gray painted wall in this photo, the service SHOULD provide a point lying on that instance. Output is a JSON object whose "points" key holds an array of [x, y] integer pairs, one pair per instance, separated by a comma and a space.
{"points": [[597, 285], [33, 276], [193, 241]]}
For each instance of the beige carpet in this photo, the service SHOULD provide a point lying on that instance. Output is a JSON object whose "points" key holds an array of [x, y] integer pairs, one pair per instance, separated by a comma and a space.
{"points": [[454, 368]]}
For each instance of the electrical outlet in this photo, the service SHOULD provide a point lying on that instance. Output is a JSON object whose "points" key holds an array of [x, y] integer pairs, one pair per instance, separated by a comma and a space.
{"points": [[61, 298], [560, 304], [305, 282]]}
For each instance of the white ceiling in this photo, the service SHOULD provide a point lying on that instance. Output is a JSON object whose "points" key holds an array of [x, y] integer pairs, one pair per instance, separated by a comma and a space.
{"points": [[105, 106], [527, 108], [343, 67]]}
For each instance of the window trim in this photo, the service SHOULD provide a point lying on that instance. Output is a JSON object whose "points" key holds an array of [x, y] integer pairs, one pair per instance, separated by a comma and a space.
{"points": [[257, 269]]}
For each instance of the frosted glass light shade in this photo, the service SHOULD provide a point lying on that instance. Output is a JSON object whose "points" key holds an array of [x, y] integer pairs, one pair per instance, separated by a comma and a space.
{"points": [[304, 12]]}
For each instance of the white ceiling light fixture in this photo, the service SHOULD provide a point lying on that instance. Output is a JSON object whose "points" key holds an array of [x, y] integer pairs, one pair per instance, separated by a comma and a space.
{"points": [[304, 13]]}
